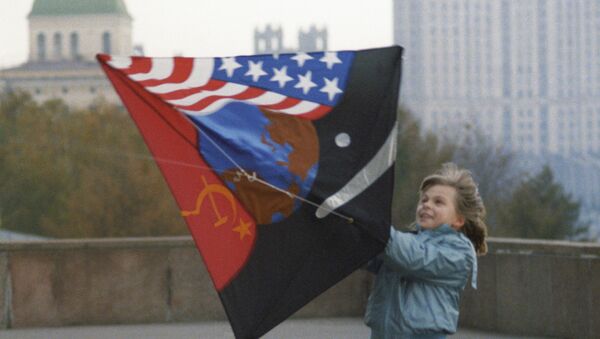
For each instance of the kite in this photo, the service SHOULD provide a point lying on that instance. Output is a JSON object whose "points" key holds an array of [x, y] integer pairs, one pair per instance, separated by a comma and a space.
{"points": [[281, 165]]}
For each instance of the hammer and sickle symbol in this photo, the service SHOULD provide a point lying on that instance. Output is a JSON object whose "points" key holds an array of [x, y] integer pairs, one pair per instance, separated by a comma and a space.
{"points": [[208, 192]]}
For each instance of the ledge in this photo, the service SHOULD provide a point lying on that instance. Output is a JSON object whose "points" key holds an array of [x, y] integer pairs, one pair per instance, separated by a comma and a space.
{"points": [[543, 247], [104, 243]]}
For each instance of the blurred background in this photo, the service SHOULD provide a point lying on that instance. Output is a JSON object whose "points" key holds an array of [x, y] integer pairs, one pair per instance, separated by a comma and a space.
{"points": [[509, 89]]}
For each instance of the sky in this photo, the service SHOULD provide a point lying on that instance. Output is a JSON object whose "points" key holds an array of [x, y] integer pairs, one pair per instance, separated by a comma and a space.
{"points": [[222, 27]]}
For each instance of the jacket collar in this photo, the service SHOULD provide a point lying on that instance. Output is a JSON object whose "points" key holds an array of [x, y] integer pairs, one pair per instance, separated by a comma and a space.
{"points": [[447, 229], [442, 229]]}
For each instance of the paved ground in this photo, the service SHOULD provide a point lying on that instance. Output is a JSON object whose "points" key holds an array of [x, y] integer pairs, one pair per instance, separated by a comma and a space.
{"points": [[344, 328]]}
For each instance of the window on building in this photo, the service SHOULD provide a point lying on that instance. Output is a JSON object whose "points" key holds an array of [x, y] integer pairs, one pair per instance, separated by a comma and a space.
{"points": [[74, 46], [41, 46], [57, 45], [106, 43], [320, 42]]}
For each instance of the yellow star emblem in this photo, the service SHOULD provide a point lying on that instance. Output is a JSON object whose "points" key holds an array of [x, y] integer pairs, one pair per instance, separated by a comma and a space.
{"points": [[243, 229]]}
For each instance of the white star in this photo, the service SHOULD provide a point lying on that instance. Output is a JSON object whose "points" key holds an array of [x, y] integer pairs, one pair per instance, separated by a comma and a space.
{"points": [[255, 70], [331, 88], [300, 58], [305, 82], [330, 58], [280, 75], [229, 65]]}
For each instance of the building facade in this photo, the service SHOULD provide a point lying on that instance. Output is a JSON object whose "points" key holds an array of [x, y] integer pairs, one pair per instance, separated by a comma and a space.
{"points": [[64, 38], [525, 73]]}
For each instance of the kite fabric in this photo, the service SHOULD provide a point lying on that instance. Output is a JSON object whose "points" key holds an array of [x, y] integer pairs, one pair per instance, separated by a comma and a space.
{"points": [[281, 165]]}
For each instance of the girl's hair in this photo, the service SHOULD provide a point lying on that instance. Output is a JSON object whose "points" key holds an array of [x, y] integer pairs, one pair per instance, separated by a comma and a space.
{"points": [[468, 202]]}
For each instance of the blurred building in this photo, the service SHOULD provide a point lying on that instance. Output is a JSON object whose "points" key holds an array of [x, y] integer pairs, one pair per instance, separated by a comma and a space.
{"points": [[64, 38], [525, 73], [270, 40]]}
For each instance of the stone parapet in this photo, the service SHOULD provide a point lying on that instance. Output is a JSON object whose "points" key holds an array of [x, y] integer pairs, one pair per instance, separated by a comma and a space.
{"points": [[127, 281], [536, 288], [526, 287]]}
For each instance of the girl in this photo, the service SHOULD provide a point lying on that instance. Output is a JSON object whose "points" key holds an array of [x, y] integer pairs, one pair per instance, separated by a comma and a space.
{"points": [[421, 275]]}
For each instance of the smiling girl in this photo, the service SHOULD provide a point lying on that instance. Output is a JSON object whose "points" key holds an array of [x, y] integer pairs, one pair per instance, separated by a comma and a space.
{"points": [[420, 276]]}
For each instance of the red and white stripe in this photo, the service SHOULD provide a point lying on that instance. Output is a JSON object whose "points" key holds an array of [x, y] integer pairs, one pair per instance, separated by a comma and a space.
{"points": [[186, 84]]}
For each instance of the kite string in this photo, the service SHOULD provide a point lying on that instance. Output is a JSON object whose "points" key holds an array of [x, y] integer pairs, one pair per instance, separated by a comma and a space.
{"points": [[253, 177], [215, 145], [239, 172], [85, 149], [189, 119]]}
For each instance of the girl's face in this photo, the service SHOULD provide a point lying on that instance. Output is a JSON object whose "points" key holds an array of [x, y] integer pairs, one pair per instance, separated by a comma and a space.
{"points": [[437, 207]]}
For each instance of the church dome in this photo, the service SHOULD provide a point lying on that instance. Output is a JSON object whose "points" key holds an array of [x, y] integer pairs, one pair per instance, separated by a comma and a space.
{"points": [[78, 7]]}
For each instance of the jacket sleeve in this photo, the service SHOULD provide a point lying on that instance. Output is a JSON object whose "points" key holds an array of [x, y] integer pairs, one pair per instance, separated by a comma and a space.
{"points": [[374, 264], [447, 262]]}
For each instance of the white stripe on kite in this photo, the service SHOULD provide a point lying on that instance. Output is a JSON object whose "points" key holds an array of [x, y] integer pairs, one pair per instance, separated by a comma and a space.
{"points": [[162, 68], [267, 98], [364, 178], [217, 105], [201, 73], [119, 62], [300, 108], [229, 89], [212, 108]]}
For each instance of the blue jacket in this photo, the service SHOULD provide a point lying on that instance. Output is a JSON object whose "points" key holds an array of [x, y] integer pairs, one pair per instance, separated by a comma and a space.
{"points": [[418, 285]]}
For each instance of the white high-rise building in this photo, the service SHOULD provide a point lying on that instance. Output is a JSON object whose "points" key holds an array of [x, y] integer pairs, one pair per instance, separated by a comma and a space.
{"points": [[526, 73]]}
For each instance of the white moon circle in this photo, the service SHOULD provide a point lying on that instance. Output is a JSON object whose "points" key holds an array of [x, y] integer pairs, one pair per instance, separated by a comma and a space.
{"points": [[342, 140]]}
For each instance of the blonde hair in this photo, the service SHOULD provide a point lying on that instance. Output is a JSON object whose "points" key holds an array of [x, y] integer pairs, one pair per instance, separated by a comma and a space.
{"points": [[468, 202]]}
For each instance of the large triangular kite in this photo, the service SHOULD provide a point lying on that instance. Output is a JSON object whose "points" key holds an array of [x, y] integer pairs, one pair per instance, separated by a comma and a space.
{"points": [[282, 166]]}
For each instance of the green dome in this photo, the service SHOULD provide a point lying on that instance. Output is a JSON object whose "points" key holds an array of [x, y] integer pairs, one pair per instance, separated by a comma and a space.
{"points": [[78, 7]]}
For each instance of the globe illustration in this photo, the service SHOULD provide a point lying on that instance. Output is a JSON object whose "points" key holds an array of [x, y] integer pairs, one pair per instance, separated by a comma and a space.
{"points": [[279, 149]]}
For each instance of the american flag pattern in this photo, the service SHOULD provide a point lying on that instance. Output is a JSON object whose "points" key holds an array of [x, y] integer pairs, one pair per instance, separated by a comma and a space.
{"points": [[303, 84]]}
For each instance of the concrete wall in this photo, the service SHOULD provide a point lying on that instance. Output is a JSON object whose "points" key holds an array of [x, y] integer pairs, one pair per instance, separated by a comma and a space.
{"points": [[155, 280], [546, 288], [525, 287]]}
